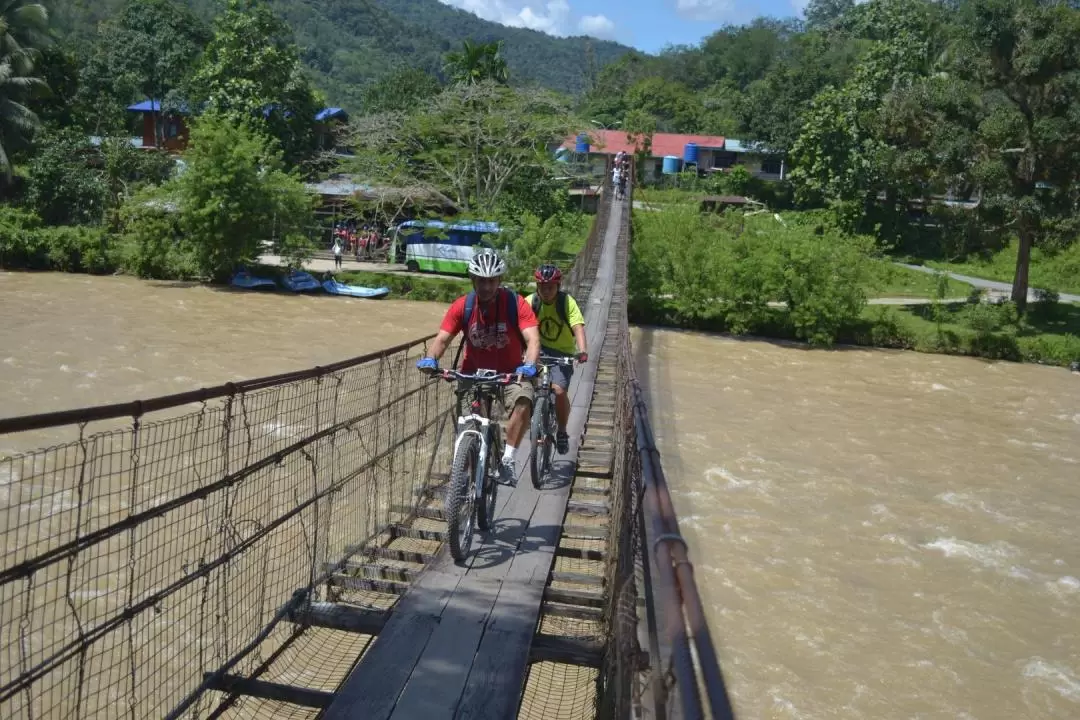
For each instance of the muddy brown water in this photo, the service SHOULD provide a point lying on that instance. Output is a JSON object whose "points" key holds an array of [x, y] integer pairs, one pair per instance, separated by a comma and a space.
{"points": [[876, 534], [70, 341]]}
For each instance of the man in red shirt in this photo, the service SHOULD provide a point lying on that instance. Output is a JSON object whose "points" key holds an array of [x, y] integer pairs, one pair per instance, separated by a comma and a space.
{"points": [[492, 342]]}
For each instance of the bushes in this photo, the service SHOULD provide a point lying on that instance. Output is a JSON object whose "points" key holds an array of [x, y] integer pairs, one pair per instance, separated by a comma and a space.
{"points": [[804, 280], [732, 267], [25, 243]]}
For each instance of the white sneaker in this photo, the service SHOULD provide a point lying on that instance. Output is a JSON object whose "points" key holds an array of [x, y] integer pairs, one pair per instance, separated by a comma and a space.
{"points": [[508, 472]]}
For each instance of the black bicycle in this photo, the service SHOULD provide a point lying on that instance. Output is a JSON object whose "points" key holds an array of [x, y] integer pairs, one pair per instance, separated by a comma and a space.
{"points": [[543, 427], [474, 473]]}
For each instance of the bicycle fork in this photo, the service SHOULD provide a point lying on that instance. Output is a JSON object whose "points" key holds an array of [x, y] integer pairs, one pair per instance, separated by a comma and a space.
{"points": [[482, 434]]}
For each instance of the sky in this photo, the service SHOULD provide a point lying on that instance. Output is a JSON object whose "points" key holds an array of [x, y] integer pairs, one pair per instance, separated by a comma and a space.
{"points": [[648, 25]]}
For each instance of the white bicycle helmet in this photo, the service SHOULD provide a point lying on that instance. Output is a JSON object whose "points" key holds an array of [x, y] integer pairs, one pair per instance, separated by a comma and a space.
{"points": [[487, 264]]}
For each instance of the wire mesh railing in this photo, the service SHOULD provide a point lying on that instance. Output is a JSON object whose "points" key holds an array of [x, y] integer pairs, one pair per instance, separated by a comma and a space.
{"points": [[136, 559], [653, 613]]}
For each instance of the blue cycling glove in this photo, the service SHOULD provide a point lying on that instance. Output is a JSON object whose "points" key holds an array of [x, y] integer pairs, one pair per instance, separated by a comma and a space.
{"points": [[527, 370], [427, 363]]}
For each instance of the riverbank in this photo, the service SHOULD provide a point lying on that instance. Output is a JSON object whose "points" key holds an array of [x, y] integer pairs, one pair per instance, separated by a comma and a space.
{"points": [[1045, 336]]}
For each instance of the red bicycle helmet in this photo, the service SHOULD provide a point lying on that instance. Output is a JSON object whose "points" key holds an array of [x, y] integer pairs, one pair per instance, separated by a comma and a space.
{"points": [[548, 273]]}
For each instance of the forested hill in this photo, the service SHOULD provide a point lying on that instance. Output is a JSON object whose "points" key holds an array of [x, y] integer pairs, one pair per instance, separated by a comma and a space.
{"points": [[557, 63], [348, 43]]}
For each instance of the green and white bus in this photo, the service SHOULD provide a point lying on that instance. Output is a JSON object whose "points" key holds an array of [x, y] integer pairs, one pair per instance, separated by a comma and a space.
{"points": [[436, 246]]}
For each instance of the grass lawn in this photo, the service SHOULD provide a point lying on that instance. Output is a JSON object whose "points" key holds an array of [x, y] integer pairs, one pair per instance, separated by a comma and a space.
{"points": [[1060, 273], [1045, 335], [892, 281]]}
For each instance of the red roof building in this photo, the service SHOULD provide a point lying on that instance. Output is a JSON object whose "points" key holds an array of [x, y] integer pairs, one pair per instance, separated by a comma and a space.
{"points": [[610, 142], [715, 153]]}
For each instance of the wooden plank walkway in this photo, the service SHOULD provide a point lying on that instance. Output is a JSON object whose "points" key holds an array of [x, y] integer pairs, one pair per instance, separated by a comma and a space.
{"points": [[456, 644]]}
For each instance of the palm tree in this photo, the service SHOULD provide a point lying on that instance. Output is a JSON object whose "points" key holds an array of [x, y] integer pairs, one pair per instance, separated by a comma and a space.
{"points": [[477, 62], [24, 29]]}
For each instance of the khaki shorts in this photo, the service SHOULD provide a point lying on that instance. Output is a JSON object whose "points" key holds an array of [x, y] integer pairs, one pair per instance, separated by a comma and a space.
{"points": [[510, 394]]}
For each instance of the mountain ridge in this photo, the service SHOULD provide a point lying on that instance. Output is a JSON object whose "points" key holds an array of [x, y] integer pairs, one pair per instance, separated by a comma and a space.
{"points": [[346, 44]]}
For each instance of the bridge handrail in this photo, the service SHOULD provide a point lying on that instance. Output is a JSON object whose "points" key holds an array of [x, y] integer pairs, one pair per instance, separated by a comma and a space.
{"points": [[137, 408], [675, 617]]}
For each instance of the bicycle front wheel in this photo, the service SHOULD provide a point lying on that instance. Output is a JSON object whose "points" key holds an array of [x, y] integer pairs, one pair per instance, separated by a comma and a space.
{"points": [[460, 497]]}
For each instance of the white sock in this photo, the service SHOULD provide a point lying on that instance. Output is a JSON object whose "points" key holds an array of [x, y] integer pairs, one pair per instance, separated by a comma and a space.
{"points": [[509, 452]]}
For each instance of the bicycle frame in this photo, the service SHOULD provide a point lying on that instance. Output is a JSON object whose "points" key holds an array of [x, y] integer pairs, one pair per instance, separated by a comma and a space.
{"points": [[483, 434], [480, 400]]}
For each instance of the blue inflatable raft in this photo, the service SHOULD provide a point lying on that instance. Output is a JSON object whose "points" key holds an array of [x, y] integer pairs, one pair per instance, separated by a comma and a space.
{"points": [[300, 281], [244, 279], [333, 287]]}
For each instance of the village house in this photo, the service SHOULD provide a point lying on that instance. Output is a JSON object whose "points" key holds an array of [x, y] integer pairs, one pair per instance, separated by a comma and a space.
{"points": [[169, 130], [671, 153]]}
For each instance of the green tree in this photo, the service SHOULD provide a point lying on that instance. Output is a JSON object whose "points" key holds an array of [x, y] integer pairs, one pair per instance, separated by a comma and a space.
{"points": [[56, 103], [401, 91], [675, 107], [235, 194], [151, 46], [1024, 57], [23, 33], [472, 143], [476, 63], [251, 69], [64, 187], [841, 155], [825, 14]]}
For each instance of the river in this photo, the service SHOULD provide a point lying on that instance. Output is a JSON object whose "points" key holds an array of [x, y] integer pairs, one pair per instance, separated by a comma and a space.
{"points": [[69, 341], [876, 534]]}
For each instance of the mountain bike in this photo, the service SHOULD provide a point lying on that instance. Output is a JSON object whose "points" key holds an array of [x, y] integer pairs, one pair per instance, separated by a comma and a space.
{"points": [[543, 427], [478, 447]]}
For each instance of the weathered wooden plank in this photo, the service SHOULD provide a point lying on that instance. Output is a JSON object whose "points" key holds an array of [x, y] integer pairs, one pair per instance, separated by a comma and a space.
{"points": [[577, 578], [566, 650], [403, 531], [581, 553], [385, 572], [439, 676], [373, 687], [387, 587], [582, 489], [587, 508], [337, 616], [494, 687], [374, 570], [497, 676], [420, 558], [586, 598], [423, 511], [572, 611], [305, 697], [581, 531]]}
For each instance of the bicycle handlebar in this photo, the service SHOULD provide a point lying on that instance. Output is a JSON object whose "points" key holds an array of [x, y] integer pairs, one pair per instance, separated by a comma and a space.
{"points": [[481, 376], [556, 360]]}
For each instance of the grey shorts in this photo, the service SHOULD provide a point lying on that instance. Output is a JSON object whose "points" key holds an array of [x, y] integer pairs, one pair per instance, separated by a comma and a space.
{"points": [[560, 374]]}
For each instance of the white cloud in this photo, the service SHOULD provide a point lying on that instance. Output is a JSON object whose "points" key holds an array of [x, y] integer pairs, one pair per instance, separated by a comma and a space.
{"points": [[799, 6], [597, 26], [550, 17], [707, 9]]}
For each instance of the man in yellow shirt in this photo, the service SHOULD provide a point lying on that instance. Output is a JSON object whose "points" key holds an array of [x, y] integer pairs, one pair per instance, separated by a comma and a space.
{"points": [[562, 333]]}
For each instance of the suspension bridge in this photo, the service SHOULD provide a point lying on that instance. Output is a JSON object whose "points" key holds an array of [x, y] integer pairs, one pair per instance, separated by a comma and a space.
{"points": [[273, 548]]}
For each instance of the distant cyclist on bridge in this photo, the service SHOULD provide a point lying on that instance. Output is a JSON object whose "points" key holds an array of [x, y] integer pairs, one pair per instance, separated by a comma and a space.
{"points": [[499, 328], [562, 334]]}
